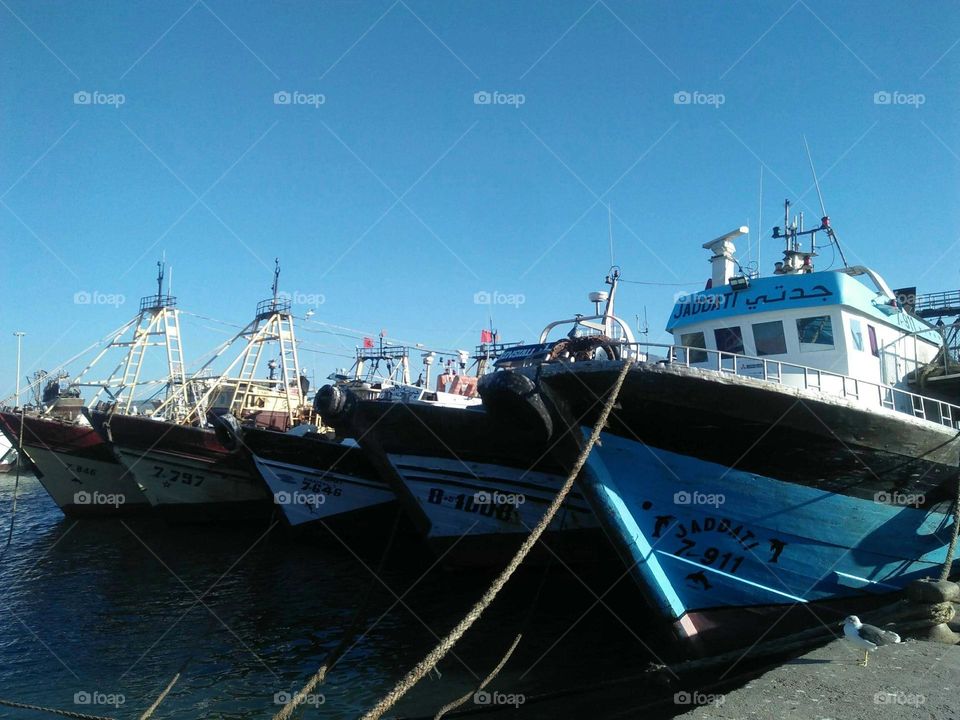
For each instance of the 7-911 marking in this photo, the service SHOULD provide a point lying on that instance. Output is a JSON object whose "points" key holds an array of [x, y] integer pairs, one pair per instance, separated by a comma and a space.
{"points": [[727, 561]]}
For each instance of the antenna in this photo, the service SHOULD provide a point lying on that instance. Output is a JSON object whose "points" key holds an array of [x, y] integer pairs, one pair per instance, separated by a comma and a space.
{"points": [[816, 182], [159, 278], [760, 221], [610, 230], [825, 219], [643, 328], [276, 276]]}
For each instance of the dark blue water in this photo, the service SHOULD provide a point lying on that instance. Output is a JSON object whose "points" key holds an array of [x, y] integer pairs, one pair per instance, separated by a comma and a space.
{"points": [[110, 609]]}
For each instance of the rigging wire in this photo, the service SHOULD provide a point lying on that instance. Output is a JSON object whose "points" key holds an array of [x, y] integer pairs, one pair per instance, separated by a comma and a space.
{"points": [[661, 284]]}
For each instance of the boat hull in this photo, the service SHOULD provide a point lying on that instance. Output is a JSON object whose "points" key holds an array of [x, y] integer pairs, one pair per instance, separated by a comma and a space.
{"points": [[709, 537], [185, 473], [474, 491], [726, 494], [76, 468], [314, 481]]}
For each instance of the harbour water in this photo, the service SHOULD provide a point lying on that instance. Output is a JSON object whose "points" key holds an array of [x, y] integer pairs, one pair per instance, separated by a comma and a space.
{"points": [[115, 609]]}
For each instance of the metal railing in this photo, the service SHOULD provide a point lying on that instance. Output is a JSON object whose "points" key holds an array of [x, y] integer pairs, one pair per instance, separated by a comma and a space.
{"points": [[151, 302], [951, 298], [799, 376], [270, 306]]}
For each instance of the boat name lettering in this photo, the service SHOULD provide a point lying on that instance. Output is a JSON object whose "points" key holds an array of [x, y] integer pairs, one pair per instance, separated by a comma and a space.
{"points": [[172, 476], [710, 556], [526, 351], [316, 486], [467, 503], [702, 303], [80, 469], [723, 526]]}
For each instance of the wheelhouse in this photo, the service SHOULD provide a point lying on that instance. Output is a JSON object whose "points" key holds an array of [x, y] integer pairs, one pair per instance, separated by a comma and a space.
{"points": [[847, 322]]}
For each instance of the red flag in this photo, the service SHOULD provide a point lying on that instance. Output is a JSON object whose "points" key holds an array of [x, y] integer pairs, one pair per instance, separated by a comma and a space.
{"points": [[486, 336], [368, 342]]}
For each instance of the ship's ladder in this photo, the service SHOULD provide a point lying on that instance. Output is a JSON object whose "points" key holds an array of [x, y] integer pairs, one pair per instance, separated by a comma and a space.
{"points": [[177, 387], [289, 363], [248, 367]]}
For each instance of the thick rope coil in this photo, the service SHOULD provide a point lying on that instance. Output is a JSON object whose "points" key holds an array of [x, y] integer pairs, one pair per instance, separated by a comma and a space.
{"points": [[486, 681], [53, 711], [430, 661]]}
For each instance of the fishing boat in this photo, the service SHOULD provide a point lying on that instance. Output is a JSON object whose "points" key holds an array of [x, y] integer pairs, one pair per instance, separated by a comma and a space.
{"points": [[69, 457], [181, 462], [318, 478], [473, 488], [775, 456]]}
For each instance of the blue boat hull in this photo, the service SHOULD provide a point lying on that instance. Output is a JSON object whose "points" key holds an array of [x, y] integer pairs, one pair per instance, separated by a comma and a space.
{"points": [[704, 537]]}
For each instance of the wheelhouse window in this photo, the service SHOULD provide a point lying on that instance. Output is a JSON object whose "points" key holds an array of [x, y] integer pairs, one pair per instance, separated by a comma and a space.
{"points": [[770, 338], [816, 333], [729, 340], [874, 345], [856, 334], [695, 340]]}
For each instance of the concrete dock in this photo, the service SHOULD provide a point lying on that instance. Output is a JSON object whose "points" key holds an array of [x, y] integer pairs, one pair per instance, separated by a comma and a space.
{"points": [[911, 680]]}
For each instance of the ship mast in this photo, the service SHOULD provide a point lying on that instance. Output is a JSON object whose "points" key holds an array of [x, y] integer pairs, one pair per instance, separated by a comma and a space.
{"points": [[156, 325]]}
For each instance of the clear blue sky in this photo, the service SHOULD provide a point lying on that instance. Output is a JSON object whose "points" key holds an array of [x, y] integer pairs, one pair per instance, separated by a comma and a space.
{"points": [[398, 198]]}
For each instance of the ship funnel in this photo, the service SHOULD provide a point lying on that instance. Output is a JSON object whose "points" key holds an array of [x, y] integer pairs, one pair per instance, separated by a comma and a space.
{"points": [[723, 251]]}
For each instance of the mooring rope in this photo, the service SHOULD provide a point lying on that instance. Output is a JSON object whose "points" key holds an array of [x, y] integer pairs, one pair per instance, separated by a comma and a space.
{"points": [[163, 696], [430, 661], [948, 562], [334, 655], [16, 485], [486, 681], [53, 711]]}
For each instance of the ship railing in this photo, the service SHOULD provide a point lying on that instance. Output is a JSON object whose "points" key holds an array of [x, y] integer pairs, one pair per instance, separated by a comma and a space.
{"points": [[802, 377], [154, 302]]}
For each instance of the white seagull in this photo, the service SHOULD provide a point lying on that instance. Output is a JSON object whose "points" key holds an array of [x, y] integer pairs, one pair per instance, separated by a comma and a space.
{"points": [[867, 637]]}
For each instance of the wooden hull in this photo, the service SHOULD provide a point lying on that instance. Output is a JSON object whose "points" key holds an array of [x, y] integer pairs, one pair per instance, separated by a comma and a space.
{"points": [[76, 467]]}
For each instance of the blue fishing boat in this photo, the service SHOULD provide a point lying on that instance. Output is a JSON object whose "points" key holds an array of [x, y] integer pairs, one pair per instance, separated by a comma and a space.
{"points": [[782, 453]]}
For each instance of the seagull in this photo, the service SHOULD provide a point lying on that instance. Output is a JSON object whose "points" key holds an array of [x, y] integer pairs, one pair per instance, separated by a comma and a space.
{"points": [[867, 637]]}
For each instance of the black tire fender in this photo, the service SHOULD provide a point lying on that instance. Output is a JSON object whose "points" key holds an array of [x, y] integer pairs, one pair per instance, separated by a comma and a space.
{"points": [[228, 430], [514, 399]]}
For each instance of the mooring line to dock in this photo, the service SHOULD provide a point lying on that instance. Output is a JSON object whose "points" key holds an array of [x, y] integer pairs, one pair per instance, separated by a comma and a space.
{"points": [[163, 696], [445, 645], [53, 711], [334, 655], [16, 486], [952, 547], [486, 681]]}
